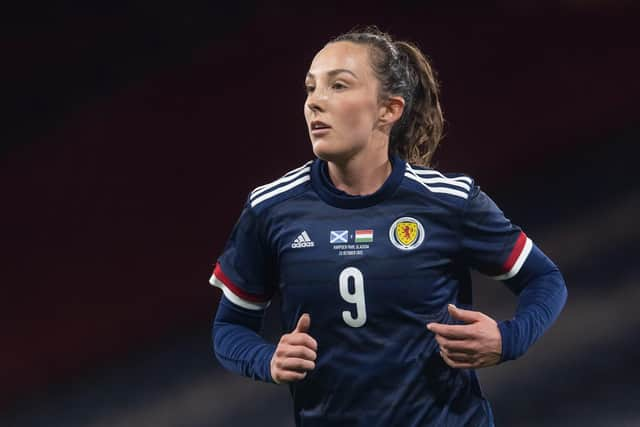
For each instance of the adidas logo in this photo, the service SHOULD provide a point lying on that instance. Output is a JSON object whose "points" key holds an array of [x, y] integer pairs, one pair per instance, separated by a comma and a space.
{"points": [[303, 241]]}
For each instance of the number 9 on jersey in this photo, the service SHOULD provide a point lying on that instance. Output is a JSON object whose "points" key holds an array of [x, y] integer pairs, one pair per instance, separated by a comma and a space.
{"points": [[356, 297]]}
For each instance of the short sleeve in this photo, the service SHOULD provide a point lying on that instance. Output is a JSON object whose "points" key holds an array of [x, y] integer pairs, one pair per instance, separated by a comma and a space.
{"points": [[244, 270], [490, 242]]}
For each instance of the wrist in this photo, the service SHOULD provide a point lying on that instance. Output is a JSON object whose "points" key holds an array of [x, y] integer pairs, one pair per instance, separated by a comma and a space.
{"points": [[270, 363], [506, 333]]}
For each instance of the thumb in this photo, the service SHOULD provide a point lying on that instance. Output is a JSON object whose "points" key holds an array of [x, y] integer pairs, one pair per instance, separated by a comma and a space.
{"points": [[303, 323], [467, 316]]}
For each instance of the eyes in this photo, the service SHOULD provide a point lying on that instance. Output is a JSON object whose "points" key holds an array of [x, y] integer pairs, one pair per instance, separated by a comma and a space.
{"points": [[337, 85]]}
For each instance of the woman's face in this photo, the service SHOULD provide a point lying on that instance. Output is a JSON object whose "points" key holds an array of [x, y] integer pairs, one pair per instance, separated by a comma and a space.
{"points": [[342, 107]]}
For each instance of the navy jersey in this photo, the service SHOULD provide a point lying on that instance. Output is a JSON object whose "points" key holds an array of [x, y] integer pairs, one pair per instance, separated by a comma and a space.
{"points": [[372, 271]]}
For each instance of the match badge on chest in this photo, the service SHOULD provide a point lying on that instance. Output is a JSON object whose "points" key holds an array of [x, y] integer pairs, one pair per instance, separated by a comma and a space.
{"points": [[406, 233], [345, 243]]}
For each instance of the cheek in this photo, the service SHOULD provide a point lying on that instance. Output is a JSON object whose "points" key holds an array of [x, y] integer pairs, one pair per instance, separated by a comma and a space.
{"points": [[307, 113], [357, 115]]}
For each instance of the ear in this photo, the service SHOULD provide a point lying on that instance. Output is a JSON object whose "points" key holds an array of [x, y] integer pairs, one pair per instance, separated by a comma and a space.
{"points": [[391, 110]]}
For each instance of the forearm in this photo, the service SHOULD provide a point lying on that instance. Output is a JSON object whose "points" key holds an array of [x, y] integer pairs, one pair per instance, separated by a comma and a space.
{"points": [[542, 295], [237, 344]]}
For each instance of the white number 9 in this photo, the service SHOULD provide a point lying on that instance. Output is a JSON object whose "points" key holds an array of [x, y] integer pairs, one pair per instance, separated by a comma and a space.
{"points": [[357, 297]]}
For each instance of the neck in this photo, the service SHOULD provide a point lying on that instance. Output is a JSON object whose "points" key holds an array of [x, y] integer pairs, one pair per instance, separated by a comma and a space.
{"points": [[361, 175]]}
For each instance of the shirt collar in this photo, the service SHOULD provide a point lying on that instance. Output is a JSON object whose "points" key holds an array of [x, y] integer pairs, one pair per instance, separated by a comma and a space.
{"points": [[329, 193]]}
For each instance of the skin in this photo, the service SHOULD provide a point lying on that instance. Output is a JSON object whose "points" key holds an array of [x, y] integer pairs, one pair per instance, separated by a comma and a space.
{"points": [[475, 344], [295, 354], [343, 92]]}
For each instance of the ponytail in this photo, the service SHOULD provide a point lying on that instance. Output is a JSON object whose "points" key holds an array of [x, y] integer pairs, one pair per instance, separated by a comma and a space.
{"points": [[418, 133]]}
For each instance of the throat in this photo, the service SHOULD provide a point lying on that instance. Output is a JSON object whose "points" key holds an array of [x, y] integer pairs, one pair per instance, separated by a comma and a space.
{"points": [[360, 180]]}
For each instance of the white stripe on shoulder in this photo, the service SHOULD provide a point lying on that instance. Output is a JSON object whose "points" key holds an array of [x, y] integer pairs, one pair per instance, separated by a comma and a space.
{"points": [[519, 262], [240, 302], [438, 180], [304, 178], [445, 190], [431, 172], [437, 189], [289, 176]]}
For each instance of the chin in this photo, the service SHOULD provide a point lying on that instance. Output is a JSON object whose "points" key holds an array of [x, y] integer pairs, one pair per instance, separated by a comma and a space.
{"points": [[330, 151], [324, 150]]}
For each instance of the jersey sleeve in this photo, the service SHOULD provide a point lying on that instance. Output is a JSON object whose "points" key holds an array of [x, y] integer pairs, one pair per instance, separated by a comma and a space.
{"points": [[491, 244], [496, 247], [244, 271]]}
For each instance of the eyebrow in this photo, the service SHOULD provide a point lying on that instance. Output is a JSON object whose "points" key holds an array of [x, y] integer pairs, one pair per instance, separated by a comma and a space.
{"points": [[336, 71]]}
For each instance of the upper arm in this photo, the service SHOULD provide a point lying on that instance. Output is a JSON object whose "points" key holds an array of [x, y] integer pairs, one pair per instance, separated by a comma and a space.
{"points": [[244, 271], [495, 246]]}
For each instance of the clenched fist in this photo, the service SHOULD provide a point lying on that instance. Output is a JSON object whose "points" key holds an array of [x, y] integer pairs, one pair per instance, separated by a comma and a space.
{"points": [[295, 354]]}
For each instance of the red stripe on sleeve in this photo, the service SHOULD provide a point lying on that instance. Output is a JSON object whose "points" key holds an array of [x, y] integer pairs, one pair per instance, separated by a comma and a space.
{"points": [[515, 253], [236, 290]]}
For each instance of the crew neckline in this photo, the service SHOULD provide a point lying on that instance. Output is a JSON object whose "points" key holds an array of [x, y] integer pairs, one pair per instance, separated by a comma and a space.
{"points": [[330, 194]]}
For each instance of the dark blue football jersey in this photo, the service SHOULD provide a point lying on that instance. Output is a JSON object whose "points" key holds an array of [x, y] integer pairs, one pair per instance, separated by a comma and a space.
{"points": [[372, 271]]}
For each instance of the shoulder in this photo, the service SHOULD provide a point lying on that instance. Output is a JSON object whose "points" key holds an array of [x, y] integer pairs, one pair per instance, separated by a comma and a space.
{"points": [[277, 191], [450, 187]]}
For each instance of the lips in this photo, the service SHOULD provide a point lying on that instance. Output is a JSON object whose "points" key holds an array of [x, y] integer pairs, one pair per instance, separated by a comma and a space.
{"points": [[318, 125]]}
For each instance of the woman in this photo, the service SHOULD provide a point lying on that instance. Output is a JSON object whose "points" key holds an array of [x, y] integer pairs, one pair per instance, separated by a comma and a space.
{"points": [[370, 250]]}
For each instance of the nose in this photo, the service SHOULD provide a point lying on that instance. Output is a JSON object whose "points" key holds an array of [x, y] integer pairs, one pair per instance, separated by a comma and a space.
{"points": [[316, 101]]}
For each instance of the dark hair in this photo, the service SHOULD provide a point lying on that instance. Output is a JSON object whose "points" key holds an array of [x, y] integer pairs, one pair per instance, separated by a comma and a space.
{"points": [[403, 70]]}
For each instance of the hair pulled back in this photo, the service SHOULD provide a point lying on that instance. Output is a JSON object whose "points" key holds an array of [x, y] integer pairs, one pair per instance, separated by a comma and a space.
{"points": [[403, 70]]}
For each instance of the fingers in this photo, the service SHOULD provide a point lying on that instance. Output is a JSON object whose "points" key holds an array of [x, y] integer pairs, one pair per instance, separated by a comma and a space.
{"points": [[291, 362], [290, 376], [459, 356], [467, 316], [455, 364], [295, 354], [452, 332], [285, 350], [457, 353], [476, 344], [295, 364], [304, 323], [456, 346], [300, 339], [299, 335]]}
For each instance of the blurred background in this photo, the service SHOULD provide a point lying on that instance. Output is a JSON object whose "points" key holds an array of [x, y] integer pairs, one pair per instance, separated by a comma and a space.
{"points": [[133, 131]]}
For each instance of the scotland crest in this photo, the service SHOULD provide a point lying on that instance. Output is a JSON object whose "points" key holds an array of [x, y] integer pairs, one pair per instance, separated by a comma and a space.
{"points": [[406, 233]]}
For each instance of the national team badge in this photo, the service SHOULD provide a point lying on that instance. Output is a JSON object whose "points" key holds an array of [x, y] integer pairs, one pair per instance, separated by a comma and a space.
{"points": [[406, 233]]}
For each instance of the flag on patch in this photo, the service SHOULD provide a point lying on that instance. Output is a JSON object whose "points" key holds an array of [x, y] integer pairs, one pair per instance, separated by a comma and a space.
{"points": [[339, 236], [364, 236]]}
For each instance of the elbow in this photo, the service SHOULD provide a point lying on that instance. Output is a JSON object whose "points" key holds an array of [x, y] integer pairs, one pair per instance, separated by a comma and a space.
{"points": [[555, 293], [217, 337], [556, 278], [215, 331], [564, 292]]}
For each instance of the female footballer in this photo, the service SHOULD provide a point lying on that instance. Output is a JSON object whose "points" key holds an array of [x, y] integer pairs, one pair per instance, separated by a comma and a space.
{"points": [[370, 250]]}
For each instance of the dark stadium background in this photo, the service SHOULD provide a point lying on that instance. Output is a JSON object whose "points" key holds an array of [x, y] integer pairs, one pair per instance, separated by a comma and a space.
{"points": [[132, 132]]}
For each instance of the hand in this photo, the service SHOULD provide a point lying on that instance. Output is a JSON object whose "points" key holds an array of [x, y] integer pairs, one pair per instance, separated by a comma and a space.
{"points": [[477, 344], [295, 354]]}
